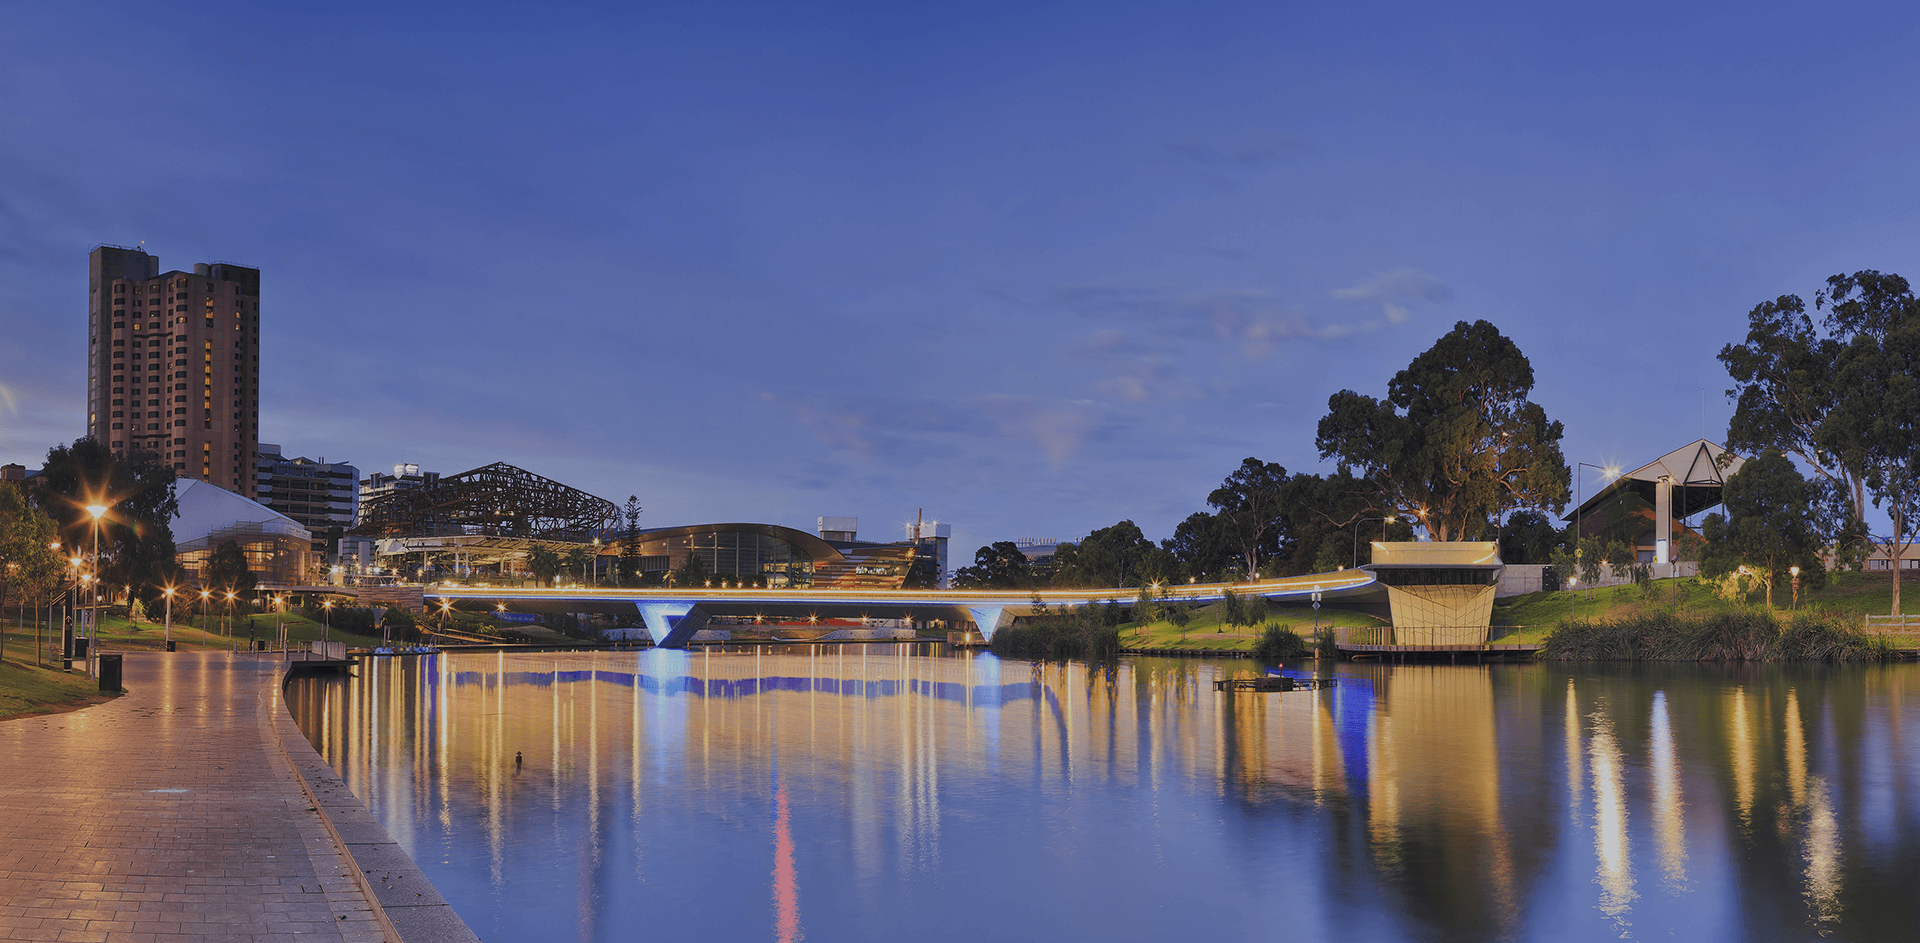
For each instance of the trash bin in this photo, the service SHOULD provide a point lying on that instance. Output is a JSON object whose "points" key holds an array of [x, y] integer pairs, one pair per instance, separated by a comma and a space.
{"points": [[80, 647], [109, 673], [170, 644], [260, 645]]}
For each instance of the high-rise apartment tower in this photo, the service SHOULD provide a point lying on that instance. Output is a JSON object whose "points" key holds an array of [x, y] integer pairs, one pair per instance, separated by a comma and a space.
{"points": [[173, 363]]}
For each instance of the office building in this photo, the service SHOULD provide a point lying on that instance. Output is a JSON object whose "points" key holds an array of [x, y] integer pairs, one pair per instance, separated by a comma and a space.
{"points": [[406, 477], [173, 364], [324, 497]]}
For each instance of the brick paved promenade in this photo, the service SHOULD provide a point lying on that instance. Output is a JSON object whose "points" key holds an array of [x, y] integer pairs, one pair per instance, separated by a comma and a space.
{"points": [[178, 812]]}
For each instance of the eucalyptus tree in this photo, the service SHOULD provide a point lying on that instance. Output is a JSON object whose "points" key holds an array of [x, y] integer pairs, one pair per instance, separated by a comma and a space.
{"points": [[1769, 525], [1843, 396], [1251, 506], [1455, 443]]}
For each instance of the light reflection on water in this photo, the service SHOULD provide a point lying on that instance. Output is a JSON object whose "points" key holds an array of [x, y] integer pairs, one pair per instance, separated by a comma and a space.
{"points": [[862, 792]]}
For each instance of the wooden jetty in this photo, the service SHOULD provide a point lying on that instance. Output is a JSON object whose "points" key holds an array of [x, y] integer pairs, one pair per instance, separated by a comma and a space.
{"points": [[1270, 684]]}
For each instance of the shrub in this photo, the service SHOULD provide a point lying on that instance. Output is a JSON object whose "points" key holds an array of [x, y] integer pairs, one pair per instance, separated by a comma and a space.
{"points": [[1278, 643], [1074, 634], [1751, 635]]}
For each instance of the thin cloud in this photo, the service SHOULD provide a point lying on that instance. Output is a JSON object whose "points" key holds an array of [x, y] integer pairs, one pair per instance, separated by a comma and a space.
{"points": [[1390, 289]]}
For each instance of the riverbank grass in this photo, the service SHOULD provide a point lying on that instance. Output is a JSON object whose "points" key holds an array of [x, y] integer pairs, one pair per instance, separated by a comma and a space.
{"points": [[1746, 635], [27, 689], [1206, 630]]}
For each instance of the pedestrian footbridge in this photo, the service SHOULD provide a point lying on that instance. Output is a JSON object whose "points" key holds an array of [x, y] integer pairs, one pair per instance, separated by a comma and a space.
{"points": [[672, 616]]}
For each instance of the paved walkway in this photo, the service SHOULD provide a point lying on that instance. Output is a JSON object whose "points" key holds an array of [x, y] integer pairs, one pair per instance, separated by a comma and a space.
{"points": [[178, 812]]}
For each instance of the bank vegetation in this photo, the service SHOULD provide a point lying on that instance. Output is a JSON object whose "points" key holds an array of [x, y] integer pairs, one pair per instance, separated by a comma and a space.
{"points": [[1740, 635]]}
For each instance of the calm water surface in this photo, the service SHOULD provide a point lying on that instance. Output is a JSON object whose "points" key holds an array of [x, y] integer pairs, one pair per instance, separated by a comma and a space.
{"points": [[890, 792]]}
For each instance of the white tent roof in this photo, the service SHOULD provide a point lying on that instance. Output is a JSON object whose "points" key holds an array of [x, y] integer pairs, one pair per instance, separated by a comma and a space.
{"points": [[1693, 464], [205, 508]]}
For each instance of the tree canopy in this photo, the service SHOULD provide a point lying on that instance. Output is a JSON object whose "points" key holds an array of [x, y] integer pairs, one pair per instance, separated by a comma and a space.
{"points": [[1456, 442], [1000, 565], [1843, 396], [29, 567], [1251, 508], [1110, 556], [1203, 546], [544, 563], [1768, 526], [136, 534], [227, 570]]}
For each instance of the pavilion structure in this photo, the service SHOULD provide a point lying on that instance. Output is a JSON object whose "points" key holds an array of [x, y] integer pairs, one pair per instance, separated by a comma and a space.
{"points": [[1643, 504]]}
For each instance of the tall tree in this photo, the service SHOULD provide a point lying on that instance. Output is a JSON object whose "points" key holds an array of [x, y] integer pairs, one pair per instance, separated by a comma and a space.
{"points": [[1110, 556], [630, 544], [136, 533], [1768, 525], [1325, 519], [1529, 537], [1874, 424], [1203, 546], [1783, 393], [1251, 505], [998, 566], [227, 570], [29, 567], [1456, 442]]}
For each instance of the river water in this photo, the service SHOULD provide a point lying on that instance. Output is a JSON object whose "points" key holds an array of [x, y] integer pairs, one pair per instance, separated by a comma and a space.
{"points": [[902, 792]]}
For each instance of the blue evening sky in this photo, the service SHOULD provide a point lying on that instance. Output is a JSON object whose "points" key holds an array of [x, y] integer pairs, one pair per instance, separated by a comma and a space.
{"points": [[1033, 267]]}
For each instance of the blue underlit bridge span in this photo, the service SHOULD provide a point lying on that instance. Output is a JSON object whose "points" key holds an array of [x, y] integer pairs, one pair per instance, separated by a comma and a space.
{"points": [[673, 616]]}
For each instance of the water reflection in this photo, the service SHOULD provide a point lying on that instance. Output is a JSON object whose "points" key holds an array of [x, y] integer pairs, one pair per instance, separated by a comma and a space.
{"points": [[1668, 804], [901, 790]]}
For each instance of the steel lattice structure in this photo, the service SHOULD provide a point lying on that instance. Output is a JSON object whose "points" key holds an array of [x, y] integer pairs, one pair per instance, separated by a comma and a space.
{"points": [[497, 500]]}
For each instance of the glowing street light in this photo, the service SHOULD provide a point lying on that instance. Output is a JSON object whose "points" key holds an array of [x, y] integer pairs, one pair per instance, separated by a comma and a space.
{"points": [[1796, 588], [169, 592], [326, 610], [1384, 521]]}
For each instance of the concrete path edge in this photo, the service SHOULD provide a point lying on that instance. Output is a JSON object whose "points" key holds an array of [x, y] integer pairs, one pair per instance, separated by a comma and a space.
{"points": [[404, 900]]}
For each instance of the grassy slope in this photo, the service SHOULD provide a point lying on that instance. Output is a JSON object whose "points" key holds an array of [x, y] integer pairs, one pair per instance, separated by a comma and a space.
{"points": [[26, 690], [1205, 632], [1847, 595], [1529, 619]]}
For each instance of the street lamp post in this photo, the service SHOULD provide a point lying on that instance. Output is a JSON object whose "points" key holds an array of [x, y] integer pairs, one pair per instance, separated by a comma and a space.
{"points": [[39, 640], [1610, 471], [1573, 582], [1384, 521], [169, 592], [93, 615], [326, 626], [1796, 588]]}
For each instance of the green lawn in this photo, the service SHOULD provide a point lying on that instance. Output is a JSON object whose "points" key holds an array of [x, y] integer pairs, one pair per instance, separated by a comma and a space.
{"points": [[1530, 619], [1847, 595], [1205, 633], [26, 689]]}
